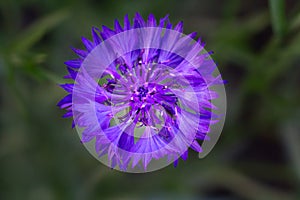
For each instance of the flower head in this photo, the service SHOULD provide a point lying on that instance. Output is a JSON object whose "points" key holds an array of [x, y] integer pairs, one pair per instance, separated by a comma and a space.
{"points": [[142, 93]]}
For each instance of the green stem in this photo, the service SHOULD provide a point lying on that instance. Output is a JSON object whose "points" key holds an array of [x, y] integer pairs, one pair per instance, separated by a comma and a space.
{"points": [[278, 17]]}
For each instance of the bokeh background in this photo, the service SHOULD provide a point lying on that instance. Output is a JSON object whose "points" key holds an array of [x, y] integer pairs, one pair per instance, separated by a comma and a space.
{"points": [[257, 48]]}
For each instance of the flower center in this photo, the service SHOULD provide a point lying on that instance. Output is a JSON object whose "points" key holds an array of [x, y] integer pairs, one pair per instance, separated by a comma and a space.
{"points": [[142, 95], [142, 92]]}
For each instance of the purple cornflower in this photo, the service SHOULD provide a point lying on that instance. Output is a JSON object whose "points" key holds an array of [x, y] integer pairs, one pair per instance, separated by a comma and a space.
{"points": [[141, 93]]}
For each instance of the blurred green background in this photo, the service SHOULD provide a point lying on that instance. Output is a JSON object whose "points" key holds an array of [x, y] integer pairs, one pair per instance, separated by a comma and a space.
{"points": [[257, 48]]}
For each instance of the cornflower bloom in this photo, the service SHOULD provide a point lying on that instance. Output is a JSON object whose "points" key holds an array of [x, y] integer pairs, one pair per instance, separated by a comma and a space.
{"points": [[141, 94]]}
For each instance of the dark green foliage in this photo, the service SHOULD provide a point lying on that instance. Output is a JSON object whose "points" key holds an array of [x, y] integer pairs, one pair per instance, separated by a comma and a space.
{"points": [[257, 47]]}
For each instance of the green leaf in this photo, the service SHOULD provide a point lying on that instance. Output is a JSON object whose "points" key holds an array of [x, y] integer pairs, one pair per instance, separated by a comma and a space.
{"points": [[278, 17], [37, 30]]}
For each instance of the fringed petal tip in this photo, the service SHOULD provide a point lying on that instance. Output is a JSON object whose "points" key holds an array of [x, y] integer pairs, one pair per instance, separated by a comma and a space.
{"points": [[76, 63], [65, 102], [95, 34]]}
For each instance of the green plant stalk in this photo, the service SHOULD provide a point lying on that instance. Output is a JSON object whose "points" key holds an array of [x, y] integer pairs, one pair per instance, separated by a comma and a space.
{"points": [[278, 17]]}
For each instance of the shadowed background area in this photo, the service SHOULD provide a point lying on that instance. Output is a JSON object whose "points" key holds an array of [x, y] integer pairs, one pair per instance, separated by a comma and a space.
{"points": [[257, 48]]}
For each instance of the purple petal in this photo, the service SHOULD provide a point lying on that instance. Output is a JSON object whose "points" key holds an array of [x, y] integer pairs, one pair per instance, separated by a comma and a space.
{"points": [[126, 23], [88, 44], [118, 27], [65, 102], [202, 136], [76, 63], [67, 87], [179, 27], [96, 38], [175, 163], [72, 73], [202, 43], [126, 142], [192, 35], [169, 25], [163, 20], [184, 156], [146, 160], [81, 53], [106, 32], [68, 114], [138, 21], [151, 21], [196, 147]]}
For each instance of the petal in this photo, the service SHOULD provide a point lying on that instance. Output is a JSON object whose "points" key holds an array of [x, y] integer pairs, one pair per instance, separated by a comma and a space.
{"points": [[68, 114], [135, 160], [67, 87], [202, 136], [192, 35], [87, 43], [106, 32], [81, 53], [126, 141], [184, 156], [196, 147], [169, 25], [146, 160], [72, 73], [163, 20], [151, 21], [175, 163], [96, 37], [202, 43], [118, 27], [126, 23], [65, 102], [179, 27], [138, 21], [76, 63]]}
